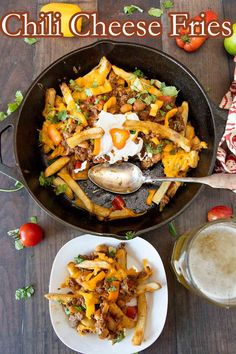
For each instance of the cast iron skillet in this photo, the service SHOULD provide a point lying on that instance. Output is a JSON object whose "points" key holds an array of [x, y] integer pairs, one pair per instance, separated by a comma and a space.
{"points": [[155, 64]]}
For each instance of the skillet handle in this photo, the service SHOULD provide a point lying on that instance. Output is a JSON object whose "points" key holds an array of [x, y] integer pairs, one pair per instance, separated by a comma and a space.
{"points": [[220, 116], [11, 172]]}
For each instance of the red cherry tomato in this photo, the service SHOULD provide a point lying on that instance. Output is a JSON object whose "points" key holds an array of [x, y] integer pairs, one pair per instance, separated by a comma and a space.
{"points": [[118, 203], [219, 212], [78, 164], [31, 234], [131, 311]]}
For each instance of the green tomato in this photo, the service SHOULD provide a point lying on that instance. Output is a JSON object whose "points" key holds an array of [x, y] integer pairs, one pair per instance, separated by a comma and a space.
{"points": [[230, 42]]}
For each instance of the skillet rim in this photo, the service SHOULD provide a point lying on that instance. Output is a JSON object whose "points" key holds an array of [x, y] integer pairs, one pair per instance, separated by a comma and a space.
{"points": [[115, 43]]}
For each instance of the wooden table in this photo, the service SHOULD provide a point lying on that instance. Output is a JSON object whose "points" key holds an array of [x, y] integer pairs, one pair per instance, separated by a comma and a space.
{"points": [[193, 325]]}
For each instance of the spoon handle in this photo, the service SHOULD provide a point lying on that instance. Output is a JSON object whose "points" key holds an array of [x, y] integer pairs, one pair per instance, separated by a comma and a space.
{"points": [[217, 180]]}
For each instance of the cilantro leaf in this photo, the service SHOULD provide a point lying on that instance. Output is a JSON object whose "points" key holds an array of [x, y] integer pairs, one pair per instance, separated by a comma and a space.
{"points": [[24, 293], [168, 4], [45, 181], [88, 92], [172, 229], [162, 112], [62, 115], [15, 234], [30, 40], [80, 308], [61, 189], [156, 150], [12, 106], [119, 338], [111, 279], [130, 9], [131, 100], [154, 11], [74, 86], [138, 73], [67, 311], [79, 259], [129, 235], [112, 289], [169, 90], [18, 245]]}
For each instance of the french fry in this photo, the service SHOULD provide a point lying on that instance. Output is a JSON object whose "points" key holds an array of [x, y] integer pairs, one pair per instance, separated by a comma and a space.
{"points": [[49, 109], [150, 287], [98, 210], [59, 182], [93, 264], [125, 321], [124, 213], [141, 323], [156, 128], [64, 298], [185, 111], [56, 166], [54, 134], [66, 93], [96, 75], [91, 133], [77, 190], [121, 257]]}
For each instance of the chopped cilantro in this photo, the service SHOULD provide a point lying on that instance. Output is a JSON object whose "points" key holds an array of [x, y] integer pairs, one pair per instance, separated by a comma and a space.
{"points": [[24, 293], [79, 259], [168, 90], [80, 308], [130, 9], [131, 100], [138, 73], [74, 86], [154, 11], [45, 181], [12, 106], [162, 112], [156, 150], [30, 40], [119, 338], [132, 131], [136, 85], [61, 189], [104, 97], [111, 279], [62, 115], [112, 288], [129, 235], [88, 92], [67, 311], [168, 106], [95, 84], [96, 101], [112, 252], [15, 234], [172, 229], [168, 4], [149, 99]]}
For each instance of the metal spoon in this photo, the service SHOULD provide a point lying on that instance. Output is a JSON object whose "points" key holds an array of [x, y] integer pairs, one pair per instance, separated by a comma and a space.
{"points": [[127, 178]]}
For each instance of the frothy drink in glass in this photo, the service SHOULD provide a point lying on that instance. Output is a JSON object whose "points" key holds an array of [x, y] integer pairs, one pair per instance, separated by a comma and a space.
{"points": [[204, 261]]}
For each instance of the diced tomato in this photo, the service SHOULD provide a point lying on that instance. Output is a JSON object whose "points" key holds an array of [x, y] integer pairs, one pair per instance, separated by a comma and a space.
{"points": [[102, 102], [131, 311], [219, 212], [118, 203], [78, 164], [166, 99]]}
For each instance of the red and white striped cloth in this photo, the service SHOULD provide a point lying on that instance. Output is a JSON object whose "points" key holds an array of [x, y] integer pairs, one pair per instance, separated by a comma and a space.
{"points": [[226, 153]]}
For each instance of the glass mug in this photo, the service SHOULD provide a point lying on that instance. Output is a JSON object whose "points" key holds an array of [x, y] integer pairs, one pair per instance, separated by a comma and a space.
{"points": [[204, 261]]}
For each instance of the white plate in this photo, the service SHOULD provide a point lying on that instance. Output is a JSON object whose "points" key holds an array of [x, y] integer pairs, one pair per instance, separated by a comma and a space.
{"points": [[137, 249]]}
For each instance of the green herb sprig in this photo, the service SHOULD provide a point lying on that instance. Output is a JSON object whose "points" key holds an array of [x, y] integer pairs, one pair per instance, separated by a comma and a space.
{"points": [[24, 293]]}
